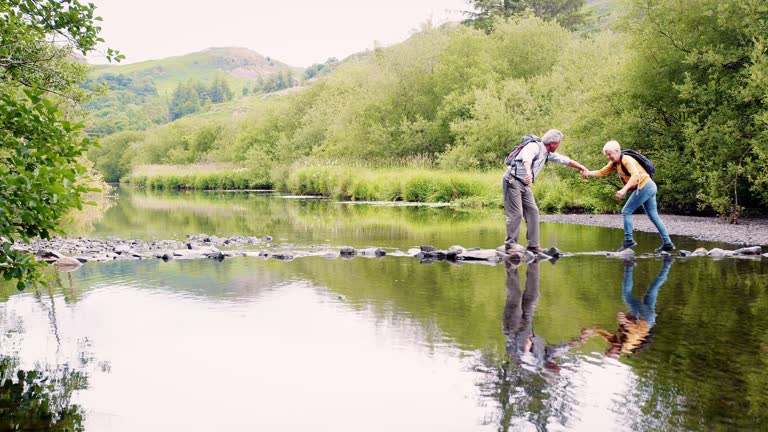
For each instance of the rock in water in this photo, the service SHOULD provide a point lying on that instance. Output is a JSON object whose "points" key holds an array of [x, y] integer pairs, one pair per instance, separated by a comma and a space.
{"points": [[754, 250], [67, 264]]}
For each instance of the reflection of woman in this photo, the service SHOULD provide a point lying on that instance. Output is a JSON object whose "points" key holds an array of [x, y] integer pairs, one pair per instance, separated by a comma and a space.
{"points": [[523, 346], [634, 332]]}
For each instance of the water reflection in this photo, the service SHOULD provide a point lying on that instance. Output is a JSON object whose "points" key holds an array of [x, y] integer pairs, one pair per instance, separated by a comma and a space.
{"points": [[523, 346], [39, 399], [38, 395], [635, 329]]}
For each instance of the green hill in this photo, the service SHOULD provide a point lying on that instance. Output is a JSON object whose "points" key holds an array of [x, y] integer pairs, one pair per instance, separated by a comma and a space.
{"points": [[239, 66], [141, 95]]}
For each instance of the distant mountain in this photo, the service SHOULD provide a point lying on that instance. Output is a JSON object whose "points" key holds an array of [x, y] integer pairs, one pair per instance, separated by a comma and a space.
{"points": [[140, 95], [237, 65]]}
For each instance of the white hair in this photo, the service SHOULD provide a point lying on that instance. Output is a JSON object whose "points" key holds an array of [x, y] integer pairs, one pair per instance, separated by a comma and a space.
{"points": [[552, 136], [611, 146]]}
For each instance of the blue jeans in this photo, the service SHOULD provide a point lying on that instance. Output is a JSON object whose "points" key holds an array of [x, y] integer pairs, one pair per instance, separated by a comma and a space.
{"points": [[645, 197], [645, 309]]}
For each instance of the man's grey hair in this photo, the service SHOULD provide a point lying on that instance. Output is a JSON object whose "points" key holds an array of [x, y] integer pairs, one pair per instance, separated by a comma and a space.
{"points": [[611, 146], [552, 136]]}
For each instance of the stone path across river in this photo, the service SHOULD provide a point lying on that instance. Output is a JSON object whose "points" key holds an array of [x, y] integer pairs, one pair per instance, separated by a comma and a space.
{"points": [[69, 253]]}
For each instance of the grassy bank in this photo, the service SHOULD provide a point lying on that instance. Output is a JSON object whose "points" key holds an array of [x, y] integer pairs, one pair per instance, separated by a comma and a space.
{"points": [[200, 177], [360, 183]]}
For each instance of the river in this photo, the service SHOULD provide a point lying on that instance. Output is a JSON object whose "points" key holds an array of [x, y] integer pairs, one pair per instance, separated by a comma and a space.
{"points": [[586, 343]]}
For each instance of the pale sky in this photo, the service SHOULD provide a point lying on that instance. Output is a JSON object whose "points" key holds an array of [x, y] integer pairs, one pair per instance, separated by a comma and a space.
{"points": [[298, 32]]}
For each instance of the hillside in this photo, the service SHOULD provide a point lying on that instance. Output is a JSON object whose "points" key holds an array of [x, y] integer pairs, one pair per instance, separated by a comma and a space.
{"points": [[141, 95], [238, 65]]}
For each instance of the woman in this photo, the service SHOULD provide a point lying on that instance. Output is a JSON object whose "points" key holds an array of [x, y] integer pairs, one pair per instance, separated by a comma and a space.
{"points": [[642, 193]]}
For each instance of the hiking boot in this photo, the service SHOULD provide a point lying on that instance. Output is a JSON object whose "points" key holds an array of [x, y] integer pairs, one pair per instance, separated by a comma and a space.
{"points": [[514, 248], [628, 244], [536, 250], [666, 247]]}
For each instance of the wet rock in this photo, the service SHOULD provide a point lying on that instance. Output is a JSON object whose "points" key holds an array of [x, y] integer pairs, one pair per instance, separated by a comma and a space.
{"points": [[347, 251], [699, 252], [284, 256], [480, 255], [67, 264], [684, 253], [717, 253], [166, 256], [515, 257], [624, 253], [456, 250], [553, 252], [266, 239], [82, 259], [205, 250], [427, 248], [753, 250], [373, 251], [121, 249], [49, 256], [217, 256]]}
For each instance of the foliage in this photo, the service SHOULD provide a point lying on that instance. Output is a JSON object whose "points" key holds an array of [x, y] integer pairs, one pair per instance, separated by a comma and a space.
{"points": [[698, 86], [460, 98], [274, 83], [571, 14], [125, 103], [39, 157], [189, 97], [321, 69]]}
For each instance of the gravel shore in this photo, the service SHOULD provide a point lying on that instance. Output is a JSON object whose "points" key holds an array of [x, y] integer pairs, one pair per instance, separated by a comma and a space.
{"points": [[747, 232]]}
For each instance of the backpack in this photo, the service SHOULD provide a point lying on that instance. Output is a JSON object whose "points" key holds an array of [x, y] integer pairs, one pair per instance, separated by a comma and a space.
{"points": [[644, 162], [527, 139]]}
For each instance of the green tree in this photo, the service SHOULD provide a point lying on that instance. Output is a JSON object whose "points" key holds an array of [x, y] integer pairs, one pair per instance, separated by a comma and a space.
{"points": [[40, 177], [185, 100], [698, 84], [569, 13]]}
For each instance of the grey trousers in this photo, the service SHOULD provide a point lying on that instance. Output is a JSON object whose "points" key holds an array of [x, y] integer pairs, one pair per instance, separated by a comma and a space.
{"points": [[520, 204]]}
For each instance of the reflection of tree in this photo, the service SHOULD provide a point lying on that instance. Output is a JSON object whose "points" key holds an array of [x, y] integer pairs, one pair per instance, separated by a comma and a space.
{"points": [[39, 399], [82, 222], [522, 396]]}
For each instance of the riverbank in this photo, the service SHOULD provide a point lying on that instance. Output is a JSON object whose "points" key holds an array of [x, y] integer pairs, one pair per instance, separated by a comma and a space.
{"points": [[748, 232]]}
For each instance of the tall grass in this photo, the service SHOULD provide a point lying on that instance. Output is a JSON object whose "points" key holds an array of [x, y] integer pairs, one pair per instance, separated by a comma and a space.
{"points": [[200, 176], [407, 180], [410, 183]]}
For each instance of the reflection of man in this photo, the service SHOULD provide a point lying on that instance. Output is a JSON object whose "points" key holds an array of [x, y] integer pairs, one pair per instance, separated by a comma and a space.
{"points": [[523, 346], [634, 332]]}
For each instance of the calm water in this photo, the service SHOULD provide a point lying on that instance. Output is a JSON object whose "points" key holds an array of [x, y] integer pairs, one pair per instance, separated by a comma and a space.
{"points": [[588, 343]]}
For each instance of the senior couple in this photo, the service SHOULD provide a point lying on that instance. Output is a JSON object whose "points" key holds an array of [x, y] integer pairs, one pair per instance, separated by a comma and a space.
{"points": [[519, 202]]}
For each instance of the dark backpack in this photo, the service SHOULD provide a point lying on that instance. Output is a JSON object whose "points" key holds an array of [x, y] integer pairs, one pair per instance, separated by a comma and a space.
{"points": [[644, 162], [510, 159]]}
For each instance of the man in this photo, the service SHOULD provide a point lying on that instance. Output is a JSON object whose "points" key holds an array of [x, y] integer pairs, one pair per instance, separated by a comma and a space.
{"points": [[642, 193], [519, 201]]}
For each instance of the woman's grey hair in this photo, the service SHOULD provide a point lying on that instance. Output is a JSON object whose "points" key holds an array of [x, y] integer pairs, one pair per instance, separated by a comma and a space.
{"points": [[611, 146], [552, 136]]}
